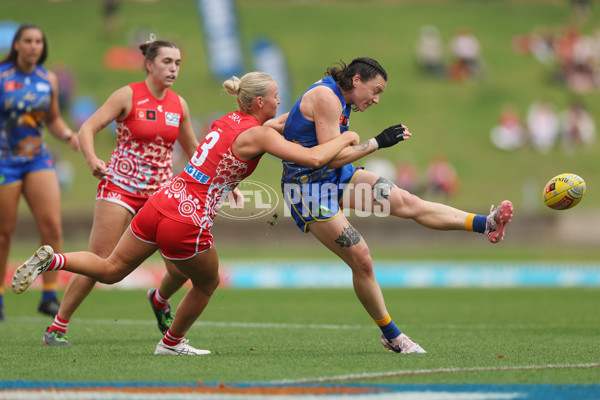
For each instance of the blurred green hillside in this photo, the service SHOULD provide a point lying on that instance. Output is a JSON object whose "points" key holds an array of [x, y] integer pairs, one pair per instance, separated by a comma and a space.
{"points": [[449, 117]]}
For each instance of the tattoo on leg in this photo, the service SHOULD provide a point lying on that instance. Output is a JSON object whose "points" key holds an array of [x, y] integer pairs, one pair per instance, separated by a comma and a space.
{"points": [[349, 237], [382, 188]]}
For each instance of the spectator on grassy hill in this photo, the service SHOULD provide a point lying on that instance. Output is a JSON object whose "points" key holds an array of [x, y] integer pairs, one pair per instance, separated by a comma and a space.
{"points": [[582, 74], [578, 129], [430, 51], [543, 126], [509, 134], [542, 44], [442, 179], [178, 218], [150, 119], [407, 175], [28, 100], [315, 196], [110, 16], [466, 51], [581, 10]]}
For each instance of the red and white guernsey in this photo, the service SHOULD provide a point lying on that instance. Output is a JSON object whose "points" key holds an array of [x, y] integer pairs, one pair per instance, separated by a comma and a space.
{"points": [[141, 161], [194, 196]]}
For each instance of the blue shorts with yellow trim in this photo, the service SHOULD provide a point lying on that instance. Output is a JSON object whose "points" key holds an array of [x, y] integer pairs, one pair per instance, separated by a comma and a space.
{"points": [[11, 171], [311, 200]]}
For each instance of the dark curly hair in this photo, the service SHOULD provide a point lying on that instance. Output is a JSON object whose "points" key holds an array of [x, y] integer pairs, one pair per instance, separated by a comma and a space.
{"points": [[365, 67]]}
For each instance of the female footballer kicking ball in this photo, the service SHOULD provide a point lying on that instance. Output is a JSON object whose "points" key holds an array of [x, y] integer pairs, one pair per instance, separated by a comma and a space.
{"points": [[315, 195]]}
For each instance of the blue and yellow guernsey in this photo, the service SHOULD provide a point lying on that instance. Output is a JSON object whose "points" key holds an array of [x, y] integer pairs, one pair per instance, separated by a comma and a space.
{"points": [[302, 131], [313, 194], [24, 100]]}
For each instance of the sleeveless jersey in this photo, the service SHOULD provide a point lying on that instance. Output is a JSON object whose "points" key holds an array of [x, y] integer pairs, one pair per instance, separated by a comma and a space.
{"points": [[24, 101], [300, 130], [194, 196], [141, 161]]}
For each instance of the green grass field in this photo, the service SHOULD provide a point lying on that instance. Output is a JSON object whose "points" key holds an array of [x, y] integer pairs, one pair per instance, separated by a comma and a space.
{"points": [[295, 335]]}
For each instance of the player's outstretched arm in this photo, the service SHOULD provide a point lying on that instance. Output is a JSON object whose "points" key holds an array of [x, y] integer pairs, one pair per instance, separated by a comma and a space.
{"points": [[387, 138], [261, 139]]}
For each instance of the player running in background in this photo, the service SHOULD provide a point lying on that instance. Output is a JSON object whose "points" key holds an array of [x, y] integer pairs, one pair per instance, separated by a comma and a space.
{"points": [[315, 195], [150, 118], [178, 218], [28, 99]]}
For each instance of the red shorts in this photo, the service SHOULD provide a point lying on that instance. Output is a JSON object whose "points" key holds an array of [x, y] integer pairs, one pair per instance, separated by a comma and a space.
{"points": [[176, 240], [108, 191]]}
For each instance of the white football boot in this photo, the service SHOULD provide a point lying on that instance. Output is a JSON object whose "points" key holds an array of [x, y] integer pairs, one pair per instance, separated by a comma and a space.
{"points": [[182, 349], [401, 344], [37, 264]]}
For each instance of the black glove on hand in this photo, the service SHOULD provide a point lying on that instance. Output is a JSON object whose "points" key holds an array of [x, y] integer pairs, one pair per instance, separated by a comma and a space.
{"points": [[390, 136]]}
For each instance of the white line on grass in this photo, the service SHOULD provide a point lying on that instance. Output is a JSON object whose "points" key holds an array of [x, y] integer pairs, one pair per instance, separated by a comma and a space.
{"points": [[275, 325], [267, 325], [400, 373]]}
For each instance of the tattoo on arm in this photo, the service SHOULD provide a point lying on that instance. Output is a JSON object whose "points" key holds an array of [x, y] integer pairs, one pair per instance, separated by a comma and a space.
{"points": [[361, 147], [349, 237]]}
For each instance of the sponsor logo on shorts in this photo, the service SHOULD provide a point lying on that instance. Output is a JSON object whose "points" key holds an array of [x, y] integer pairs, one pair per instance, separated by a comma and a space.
{"points": [[172, 119]]}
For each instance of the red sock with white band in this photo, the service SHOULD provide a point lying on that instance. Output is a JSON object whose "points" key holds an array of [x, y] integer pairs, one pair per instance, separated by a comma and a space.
{"points": [[159, 300], [172, 340], [59, 324], [58, 262]]}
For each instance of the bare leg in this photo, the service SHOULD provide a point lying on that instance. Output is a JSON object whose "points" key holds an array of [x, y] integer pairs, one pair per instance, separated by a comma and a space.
{"points": [[9, 202], [172, 280], [401, 203], [345, 241], [129, 253], [170, 283], [110, 220], [203, 270], [42, 193]]}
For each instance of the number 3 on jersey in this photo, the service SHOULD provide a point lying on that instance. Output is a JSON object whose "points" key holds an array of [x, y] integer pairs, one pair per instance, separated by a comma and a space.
{"points": [[208, 143]]}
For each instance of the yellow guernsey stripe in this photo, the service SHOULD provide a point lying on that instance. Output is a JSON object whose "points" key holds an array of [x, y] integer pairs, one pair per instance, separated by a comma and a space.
{"points": [[384, 321], [469, 222]]}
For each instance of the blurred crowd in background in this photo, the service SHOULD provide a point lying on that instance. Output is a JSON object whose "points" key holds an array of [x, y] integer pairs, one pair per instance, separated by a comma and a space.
{"points": [[572, 58], [465, 54], [545, 127]]}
